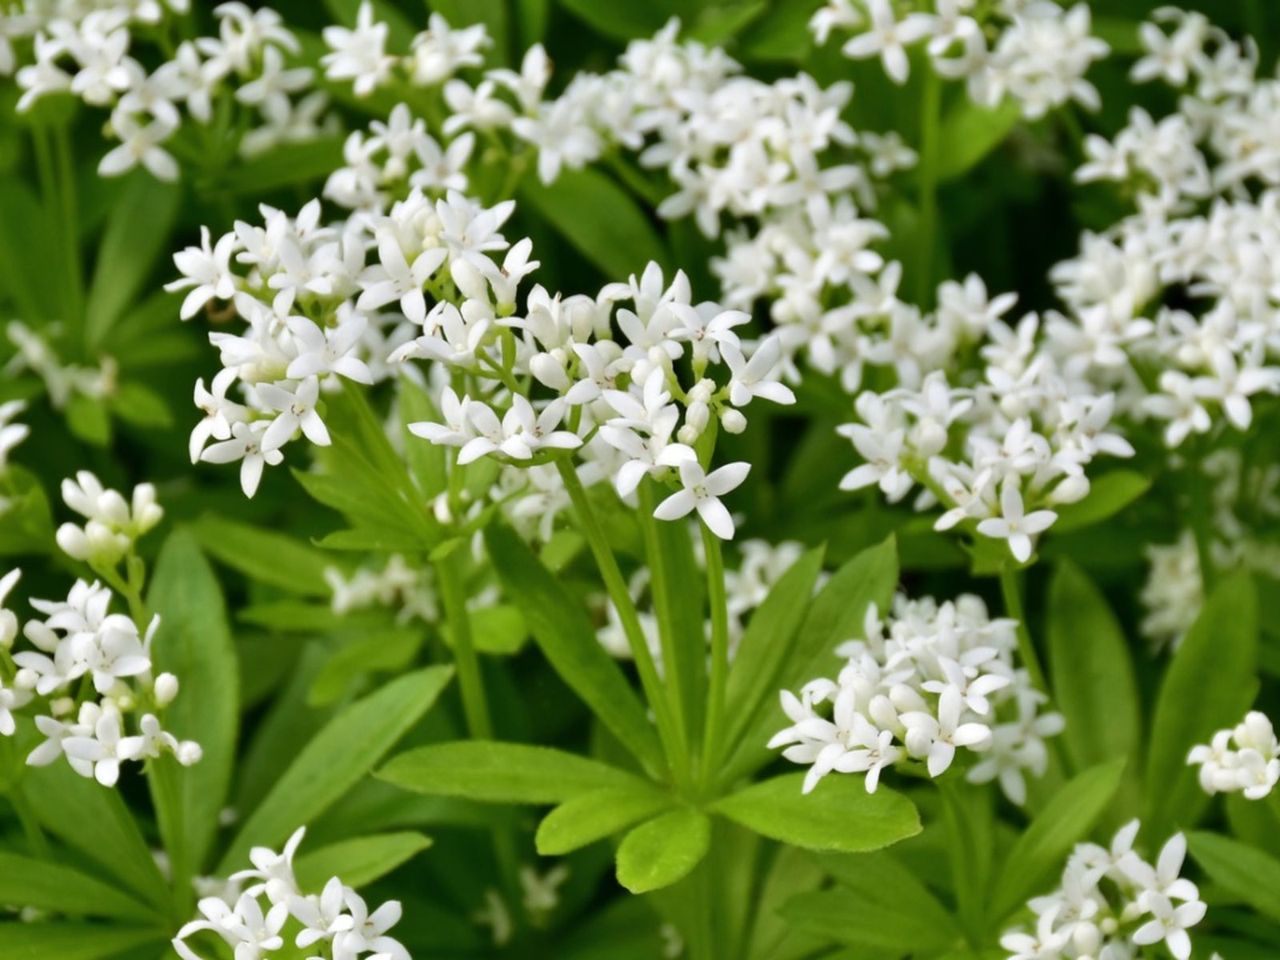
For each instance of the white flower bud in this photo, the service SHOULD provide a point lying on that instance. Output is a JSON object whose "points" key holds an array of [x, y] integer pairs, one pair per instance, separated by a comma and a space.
{"points": [[189, 753], [166, 689], [549, 371], [72, 541], [440, 508], [732, 420], [1070, 489], [8, 628], [62, 706], [26, 679]]}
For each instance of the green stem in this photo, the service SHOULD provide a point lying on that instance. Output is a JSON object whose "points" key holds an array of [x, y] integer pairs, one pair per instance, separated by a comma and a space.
{"points": [[474, 703], [1011, 589], [70, 222], [36, 841], [719, 604], [676, 749], [930, 137], [658, 583], [1202, 524], [702, 944], [475, 706]]}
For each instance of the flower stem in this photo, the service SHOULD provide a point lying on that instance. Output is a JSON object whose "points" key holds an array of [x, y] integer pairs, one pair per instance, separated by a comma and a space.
{"points": [[1011, 590], [70, 223], [719, 604], [676, 749], [930, 141], [474, 703], [36, 841], [658, 583]]}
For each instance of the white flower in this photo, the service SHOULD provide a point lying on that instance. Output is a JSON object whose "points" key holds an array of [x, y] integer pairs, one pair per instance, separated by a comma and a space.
{"points": [[1169, 923], [272, 872], [358, 54], [756, 377], [297, 408], [329, 350], [207, 271], [105, 749], [702, 492], [245, 445], [1013, 525], [936, 738], [140, 144], [887, 36]]}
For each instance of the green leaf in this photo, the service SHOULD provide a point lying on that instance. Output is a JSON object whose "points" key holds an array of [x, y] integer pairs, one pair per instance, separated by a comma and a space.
{"points": [[1208, 686], [194, 643], [620, 21], [1241, 870], [883, 879], [264, 556], [28, 882], [658, 853], [970, 132], [849, 917], [88, 419], [717, 25], [561, 628], [594, 815], [61, 940], [1108, 495], [499, 630], [29, 259], [1065, 820], [138, 404], [1093, 682], [766, 641], [95, 822], [286, 165], [358, 861], [598, 218], [836, 615], [336, 758], [381, 651], [838, 815], [497, 772], [782, 34], [1121, 35], [138, 231]]}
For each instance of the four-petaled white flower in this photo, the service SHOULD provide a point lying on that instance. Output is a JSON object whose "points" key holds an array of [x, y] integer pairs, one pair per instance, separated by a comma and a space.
{"points": [[702, 492]]}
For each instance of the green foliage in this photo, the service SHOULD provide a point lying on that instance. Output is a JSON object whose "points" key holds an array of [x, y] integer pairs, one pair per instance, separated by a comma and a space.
{"points": [[664, 850]]}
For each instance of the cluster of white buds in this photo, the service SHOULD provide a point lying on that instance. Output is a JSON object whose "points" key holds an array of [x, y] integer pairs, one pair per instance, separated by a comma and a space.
{"points": [[407, 590], [86, 52], [1000, 445], [1113, 904], [78, 640], [1035, 52], [1176, 300], [335, 924], [112, 524], [921, 683], [1245, 758], [761, 566]]}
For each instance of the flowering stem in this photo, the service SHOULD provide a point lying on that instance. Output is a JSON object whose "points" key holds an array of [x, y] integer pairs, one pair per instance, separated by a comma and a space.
{"points": [[677, 750], [476, 707], [1011, 589], [719, 605], [930, 130], [70, 222], [474, 703], [30, 825], [662, 603]]}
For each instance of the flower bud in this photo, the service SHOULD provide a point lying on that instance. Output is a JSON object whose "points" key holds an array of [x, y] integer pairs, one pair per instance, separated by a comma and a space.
{"points": [[188, 753], [732, 420], [8, 628], [26, 679], [166, 689]]}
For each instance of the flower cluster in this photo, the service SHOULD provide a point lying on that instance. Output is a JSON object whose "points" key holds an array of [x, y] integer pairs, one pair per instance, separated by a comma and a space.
{"points": [[922, 682], [62, 381], [1035, 52], [90, 671], [1243, 500], [399, 586], [335, 924], [999, 443], [1113, 903], [1246, 758], [85, 50], [1176, 300]]}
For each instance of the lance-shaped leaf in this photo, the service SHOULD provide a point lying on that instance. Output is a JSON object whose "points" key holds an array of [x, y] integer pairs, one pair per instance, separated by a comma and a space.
{"points": [[665, 849], [496, 772], [838, 815]]}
